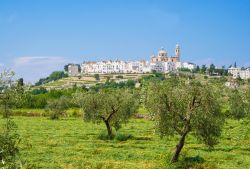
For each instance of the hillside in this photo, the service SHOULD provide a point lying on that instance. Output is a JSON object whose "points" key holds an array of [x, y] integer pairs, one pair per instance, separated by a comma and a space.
{"points": [[89, 80]]}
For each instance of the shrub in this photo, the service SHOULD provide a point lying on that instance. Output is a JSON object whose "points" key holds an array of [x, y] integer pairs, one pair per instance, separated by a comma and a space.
{"points": [[186, 162], [97, 77], [123, 137], [104, 136], [119, 77], [41, 90], [76, 113]]}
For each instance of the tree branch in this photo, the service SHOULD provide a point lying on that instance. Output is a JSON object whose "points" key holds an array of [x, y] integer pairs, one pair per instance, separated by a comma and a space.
{"points": [[178, 130], [103, 118], [113, 112]]}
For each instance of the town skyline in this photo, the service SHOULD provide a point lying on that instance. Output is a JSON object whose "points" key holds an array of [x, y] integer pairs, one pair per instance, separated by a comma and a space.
{"points": [[34, 42]]}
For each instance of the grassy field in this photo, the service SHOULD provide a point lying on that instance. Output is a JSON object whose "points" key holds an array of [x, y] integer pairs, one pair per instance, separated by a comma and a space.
{"points": [[71, 143]]}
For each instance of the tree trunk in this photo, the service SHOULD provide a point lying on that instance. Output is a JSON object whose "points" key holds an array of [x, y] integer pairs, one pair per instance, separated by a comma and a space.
{"points": [[108, 128], [6, 112], [179, 147]]}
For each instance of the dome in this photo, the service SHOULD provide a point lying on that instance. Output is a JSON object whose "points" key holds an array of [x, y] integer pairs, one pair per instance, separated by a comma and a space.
{"points": [[153, 56], [162, 52]]}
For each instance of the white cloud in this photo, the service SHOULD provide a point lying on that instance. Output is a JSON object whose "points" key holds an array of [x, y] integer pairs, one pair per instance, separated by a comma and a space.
{"points": [[32, 68], [38, 60]]}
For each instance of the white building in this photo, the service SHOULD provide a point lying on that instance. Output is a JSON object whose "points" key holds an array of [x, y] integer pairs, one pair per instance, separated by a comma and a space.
{"points": [[188, 65], [163, 66], [160, 63], [73, 69], [239, 72], [138, 67], [107, 67], [104, 67], [232, 84]]}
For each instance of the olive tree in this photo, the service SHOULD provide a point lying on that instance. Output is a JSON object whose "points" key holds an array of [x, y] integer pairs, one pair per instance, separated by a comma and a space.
{"points": [[11, 92], [237, 105], [9, 138], [248, 102], [7, 92], [112, 107], [185, 107], [57, 108]]}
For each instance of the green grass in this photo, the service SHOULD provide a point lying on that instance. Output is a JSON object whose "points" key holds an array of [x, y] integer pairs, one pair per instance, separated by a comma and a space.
{"points": [[142, 110], [28, 112], [71, 143], [72, 112]]}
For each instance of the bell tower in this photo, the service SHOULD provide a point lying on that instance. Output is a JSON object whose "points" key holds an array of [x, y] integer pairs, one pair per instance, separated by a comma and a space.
{"points": [[177, 52]]}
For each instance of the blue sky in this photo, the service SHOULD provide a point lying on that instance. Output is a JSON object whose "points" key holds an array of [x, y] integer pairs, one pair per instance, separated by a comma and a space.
{"points": [[37, 37]]}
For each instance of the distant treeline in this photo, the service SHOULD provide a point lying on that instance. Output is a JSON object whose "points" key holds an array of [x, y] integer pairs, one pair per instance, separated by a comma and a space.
{"points": [[210, 70], [39, 98]]}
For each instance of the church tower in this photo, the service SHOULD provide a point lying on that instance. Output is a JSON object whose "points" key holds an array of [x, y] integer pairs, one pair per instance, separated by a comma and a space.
{"points": [[177, 50], [177, 53]]}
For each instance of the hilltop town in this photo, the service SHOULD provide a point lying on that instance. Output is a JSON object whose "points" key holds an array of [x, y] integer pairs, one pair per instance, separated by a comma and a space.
{"points": [[161, 62]]}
